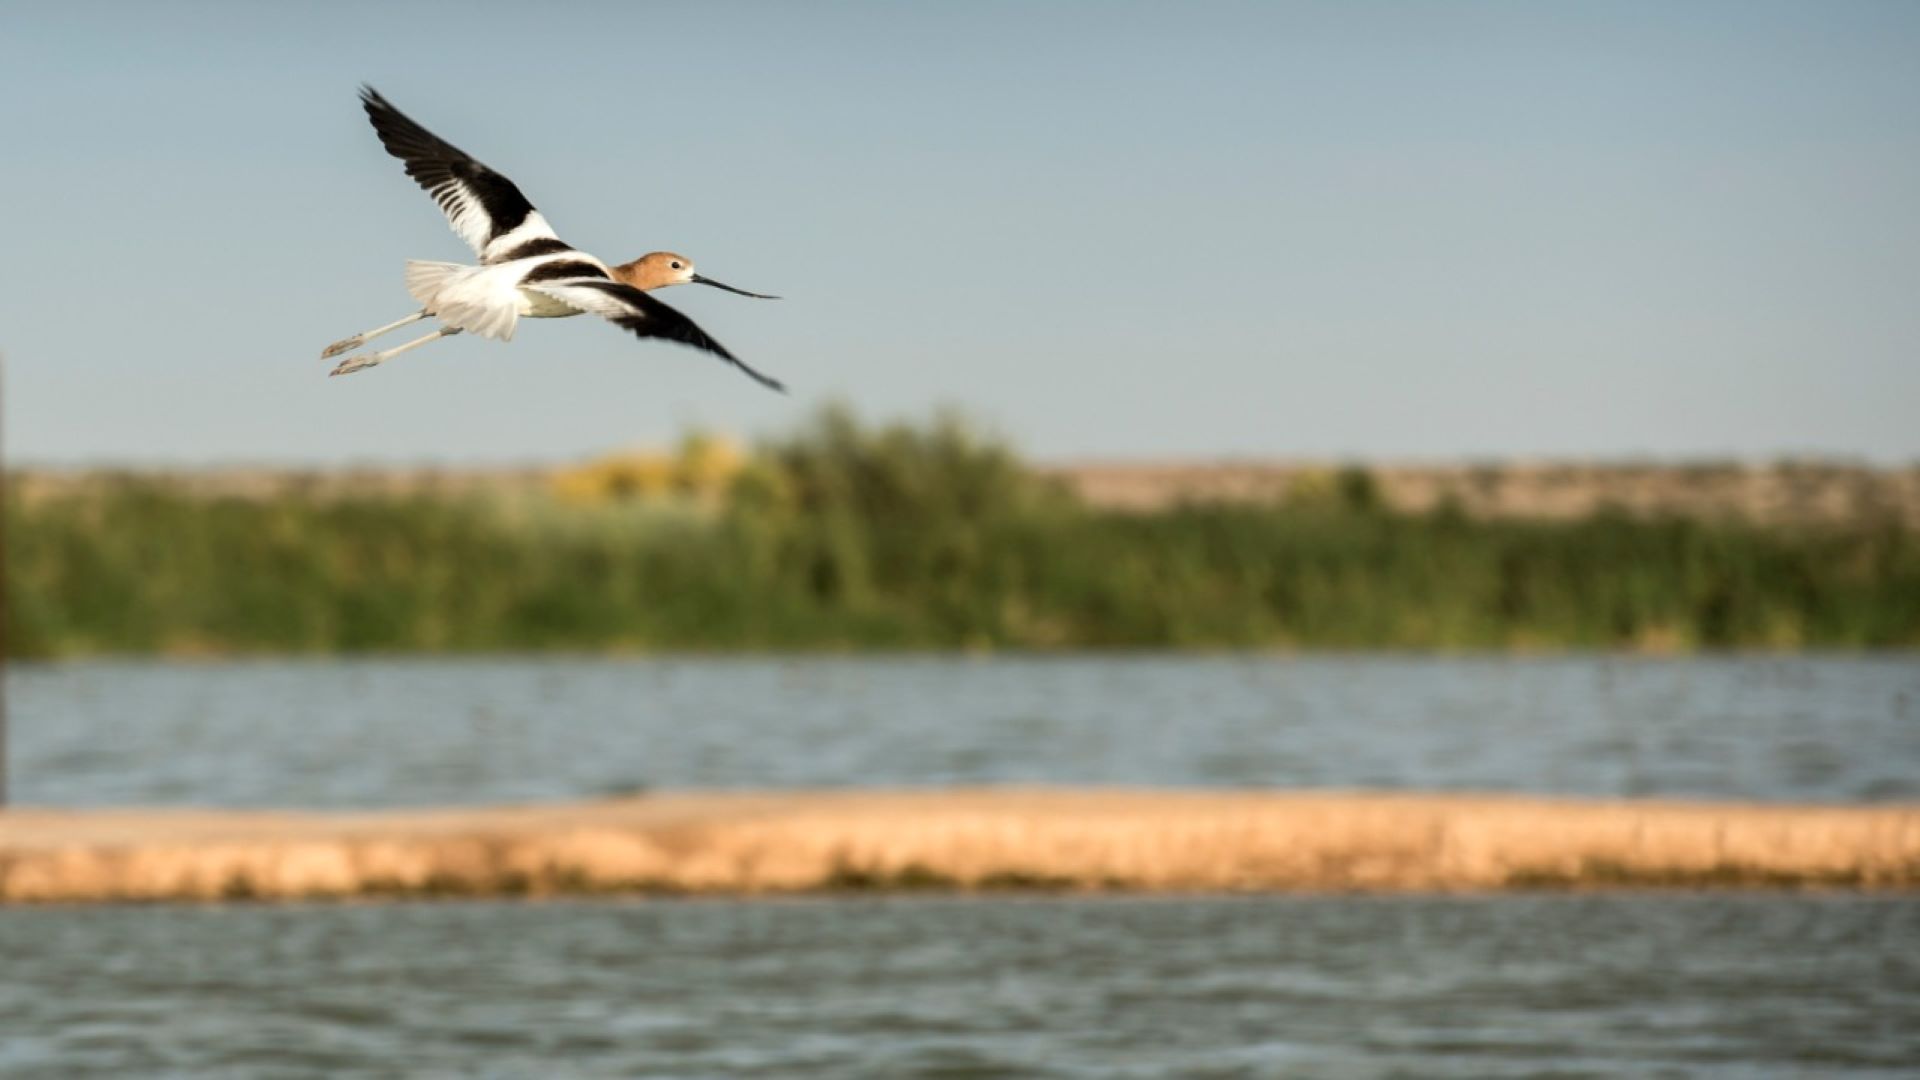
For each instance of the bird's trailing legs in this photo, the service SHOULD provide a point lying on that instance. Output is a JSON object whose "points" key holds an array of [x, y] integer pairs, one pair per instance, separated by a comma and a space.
{"points": [[366, 360], [357, 340]]}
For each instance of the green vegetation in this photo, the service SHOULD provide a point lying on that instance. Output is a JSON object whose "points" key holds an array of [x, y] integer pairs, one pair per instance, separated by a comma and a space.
{"points": [[845, 536]]}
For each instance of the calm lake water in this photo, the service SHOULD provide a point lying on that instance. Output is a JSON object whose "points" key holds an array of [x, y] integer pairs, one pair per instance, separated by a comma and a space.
{"points": [[1680, 986], [1788, 985], [415, 732]]}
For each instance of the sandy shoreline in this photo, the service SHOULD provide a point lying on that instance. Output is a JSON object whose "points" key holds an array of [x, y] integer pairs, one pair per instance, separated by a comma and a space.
{"points": [[1005, 838]]}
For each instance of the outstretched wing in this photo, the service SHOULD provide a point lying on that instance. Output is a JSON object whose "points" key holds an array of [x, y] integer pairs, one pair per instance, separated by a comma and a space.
{"points": [[484, 207], [631, 309]]}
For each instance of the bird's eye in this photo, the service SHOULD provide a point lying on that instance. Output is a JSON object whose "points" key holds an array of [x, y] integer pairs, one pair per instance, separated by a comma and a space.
{"points": [[677, 266]]}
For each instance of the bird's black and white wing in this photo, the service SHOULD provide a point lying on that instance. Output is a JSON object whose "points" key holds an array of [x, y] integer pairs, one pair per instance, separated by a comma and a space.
{"points": [[484, 207], [635, 311]]}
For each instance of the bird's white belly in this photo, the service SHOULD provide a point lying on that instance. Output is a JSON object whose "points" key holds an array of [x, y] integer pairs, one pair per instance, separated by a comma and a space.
{"points": [[538, 305]]}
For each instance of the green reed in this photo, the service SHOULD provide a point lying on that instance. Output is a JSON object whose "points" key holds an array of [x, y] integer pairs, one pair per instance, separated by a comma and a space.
{"points": [[846, 536]]}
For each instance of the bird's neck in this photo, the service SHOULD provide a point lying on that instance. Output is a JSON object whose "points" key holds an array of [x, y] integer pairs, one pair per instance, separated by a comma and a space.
{"points": [[636, 275]]}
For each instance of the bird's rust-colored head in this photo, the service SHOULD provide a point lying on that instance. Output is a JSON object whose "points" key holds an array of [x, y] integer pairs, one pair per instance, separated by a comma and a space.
{"points": [[659, 269]]}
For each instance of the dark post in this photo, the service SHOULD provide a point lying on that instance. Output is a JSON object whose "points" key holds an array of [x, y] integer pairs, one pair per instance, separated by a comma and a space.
{"points": [[3, 594], [2, 587]]}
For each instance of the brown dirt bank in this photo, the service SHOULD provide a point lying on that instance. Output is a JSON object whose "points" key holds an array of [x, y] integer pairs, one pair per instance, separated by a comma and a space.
{"points": [[1096, 839]]}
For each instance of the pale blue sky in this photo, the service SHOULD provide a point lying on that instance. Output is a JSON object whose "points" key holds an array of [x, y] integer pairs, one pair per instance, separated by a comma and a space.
{"points": [[1387, 231]]}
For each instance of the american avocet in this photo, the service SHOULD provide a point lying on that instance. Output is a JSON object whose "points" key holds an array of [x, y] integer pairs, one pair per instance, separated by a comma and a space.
{"points": [[525, 270]]}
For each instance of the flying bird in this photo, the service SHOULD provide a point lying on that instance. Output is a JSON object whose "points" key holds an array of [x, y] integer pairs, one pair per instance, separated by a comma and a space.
{"points": [[525, 270]]}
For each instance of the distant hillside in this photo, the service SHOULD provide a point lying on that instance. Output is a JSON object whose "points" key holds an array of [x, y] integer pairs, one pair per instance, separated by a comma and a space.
{"points": [[1776, 494], [1785, 493]]}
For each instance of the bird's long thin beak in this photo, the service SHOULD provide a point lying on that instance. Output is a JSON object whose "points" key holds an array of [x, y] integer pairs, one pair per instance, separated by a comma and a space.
{"points": [[699, 280]]}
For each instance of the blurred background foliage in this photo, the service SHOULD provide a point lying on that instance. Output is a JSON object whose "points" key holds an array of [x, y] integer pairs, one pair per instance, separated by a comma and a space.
{"points": [[845, 535]]}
